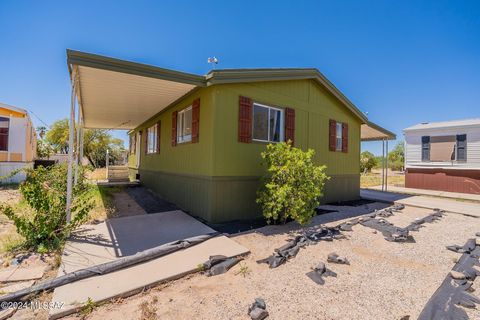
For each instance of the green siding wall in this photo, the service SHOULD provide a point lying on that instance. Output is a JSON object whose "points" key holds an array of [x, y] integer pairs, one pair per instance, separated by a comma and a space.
{"points": [[313, 105], [217, 178], [186, 158]]}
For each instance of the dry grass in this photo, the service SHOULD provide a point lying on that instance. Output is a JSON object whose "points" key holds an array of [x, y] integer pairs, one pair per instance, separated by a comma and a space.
{"points": [[97, 174], [148, 310], [374, 179], [104, 207]]}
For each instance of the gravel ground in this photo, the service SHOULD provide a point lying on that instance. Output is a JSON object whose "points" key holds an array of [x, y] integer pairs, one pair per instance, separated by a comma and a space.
{"points": [[384, 281]]}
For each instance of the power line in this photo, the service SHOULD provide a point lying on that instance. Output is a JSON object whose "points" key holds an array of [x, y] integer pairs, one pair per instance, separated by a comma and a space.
{"points": [[47, 125]]}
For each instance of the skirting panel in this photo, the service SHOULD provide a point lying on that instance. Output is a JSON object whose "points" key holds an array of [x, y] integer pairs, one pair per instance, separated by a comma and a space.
{"points": [[221, 199], [463, 181]]}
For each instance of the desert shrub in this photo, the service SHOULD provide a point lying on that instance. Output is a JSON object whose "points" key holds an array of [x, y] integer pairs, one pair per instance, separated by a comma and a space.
{"points": [[45, 192], [367, 161], [396, 157], [293, 184]]}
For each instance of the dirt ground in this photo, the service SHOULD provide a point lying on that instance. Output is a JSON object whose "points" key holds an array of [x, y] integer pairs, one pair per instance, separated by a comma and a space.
{"points": [[374, 178], [385, 280]]}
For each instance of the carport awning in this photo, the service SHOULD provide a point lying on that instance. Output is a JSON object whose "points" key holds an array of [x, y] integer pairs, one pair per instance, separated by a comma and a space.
{"points": [[116, 94], [373, 132]]}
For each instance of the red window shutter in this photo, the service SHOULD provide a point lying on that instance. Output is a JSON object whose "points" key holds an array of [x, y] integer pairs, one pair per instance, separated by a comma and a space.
{"points": [[344, 137], [245, 112], [158, 136], [332, 134], [174, 128], [195, 120], [290, 125], [146, 141]]}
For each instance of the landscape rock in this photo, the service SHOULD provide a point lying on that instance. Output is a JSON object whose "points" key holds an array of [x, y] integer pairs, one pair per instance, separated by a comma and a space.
{"points": [[257, 311], [457, 275], [14, 262], [258, 314], [335, 258]]}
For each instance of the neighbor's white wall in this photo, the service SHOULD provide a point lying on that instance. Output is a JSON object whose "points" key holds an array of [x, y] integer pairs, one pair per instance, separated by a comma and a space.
{"points": [[413, 148], [17, 135], [7, 167]]}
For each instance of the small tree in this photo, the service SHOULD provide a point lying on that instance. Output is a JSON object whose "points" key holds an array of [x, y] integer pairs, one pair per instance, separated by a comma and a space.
{"points": [[293, 184], [45, 192], [396, 157], [367, 161]]}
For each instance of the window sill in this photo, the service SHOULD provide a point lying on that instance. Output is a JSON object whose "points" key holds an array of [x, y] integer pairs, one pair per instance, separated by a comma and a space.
{"points": [[264, 141]]}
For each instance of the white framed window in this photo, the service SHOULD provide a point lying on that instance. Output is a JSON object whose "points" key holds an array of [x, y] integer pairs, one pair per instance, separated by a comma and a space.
{"points": [[152, 139], [184, 125], [268, 123], [339, 135]]}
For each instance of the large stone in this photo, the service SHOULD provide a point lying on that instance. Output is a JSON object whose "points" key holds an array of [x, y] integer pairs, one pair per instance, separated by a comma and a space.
{"points": [[258, 314], [457, 275]]}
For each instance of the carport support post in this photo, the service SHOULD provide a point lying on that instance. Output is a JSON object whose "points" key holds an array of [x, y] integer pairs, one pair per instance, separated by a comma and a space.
{"points": [[386, 165], [71, 146], [383, 164], [77, 151]]}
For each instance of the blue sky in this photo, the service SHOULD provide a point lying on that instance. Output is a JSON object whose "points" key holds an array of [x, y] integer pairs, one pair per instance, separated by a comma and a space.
{"points": [[403, 62]]}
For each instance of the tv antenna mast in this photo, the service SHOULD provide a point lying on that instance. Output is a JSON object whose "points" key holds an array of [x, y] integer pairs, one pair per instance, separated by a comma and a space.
{"points": [[213, 61]]}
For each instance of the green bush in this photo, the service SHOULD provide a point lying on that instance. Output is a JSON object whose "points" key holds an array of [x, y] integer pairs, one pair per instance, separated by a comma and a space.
{"points": [[396, 157], [367, 161], [45, 192], [292, 186]]}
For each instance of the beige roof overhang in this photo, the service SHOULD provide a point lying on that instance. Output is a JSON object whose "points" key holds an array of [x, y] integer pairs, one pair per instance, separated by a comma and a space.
{"points": [[117, 94], [373, 132]]}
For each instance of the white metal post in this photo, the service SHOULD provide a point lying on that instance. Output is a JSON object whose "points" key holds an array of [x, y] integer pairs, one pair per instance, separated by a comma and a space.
{"points": [[70, 153], [383, 164], [81, 133], [386, 165], [77, 150], [106, 165]]}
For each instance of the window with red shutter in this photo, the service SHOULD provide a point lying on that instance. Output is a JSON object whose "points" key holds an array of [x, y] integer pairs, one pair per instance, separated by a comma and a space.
{"points": [[174, 128], [158, 136], [195, 120], [344, 137], [332, 135], [245, 111], [290, 125]]}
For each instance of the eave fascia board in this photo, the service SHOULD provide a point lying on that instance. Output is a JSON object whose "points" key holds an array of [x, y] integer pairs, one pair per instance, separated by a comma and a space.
{"points": [[111, 64], [459, 127], [256, 75], [391, 135]]}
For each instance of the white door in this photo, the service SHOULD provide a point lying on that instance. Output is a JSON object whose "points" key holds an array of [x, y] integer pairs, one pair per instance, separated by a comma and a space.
{"points": [[137, 149]]}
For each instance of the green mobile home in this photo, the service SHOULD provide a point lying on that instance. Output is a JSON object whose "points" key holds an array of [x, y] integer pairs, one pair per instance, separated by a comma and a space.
{"points": [[196, 140]]}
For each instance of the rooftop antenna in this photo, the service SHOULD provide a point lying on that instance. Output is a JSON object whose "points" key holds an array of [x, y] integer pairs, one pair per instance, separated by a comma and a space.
{"points": [[213, 61]]}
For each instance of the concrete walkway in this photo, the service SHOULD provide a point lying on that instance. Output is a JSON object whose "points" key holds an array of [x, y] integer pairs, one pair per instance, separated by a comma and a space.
{"points": [[450, 205], [381, 195], [434, 193], [119, 237], [465, 208]]}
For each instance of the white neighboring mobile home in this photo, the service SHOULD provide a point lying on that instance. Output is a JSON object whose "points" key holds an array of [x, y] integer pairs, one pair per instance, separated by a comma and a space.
{"points": [[443, 156], [18, 142]]}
